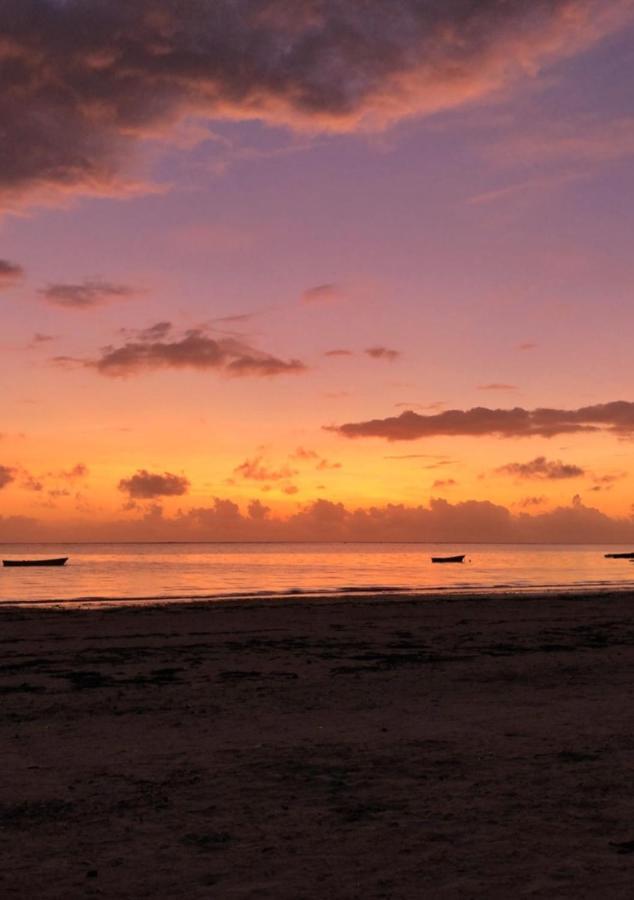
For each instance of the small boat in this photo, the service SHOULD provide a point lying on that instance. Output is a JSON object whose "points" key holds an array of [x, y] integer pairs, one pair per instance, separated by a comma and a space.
{"points": [[448, 559], [60, 561], [619, 555]]}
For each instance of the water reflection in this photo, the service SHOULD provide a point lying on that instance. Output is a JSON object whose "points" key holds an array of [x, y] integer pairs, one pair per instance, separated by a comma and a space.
{"points": [[127, 571]]}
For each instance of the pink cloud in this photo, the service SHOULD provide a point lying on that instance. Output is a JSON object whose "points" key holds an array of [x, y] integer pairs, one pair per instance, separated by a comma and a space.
{"points": [[118, 72], [323, 293]]}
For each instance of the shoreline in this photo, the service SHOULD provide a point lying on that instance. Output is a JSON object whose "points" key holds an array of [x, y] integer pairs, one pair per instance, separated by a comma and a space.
{"points": [[287, 599]]}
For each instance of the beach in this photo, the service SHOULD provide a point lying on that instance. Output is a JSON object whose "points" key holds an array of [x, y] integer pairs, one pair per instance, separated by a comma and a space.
{"points": [[474, 746]]}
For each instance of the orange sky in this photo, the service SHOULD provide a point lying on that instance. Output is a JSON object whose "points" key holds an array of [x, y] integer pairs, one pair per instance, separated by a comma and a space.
{"points": [[344, 271]]}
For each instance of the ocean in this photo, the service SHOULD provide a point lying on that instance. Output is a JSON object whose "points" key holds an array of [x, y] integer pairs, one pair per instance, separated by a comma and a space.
{"points": [[104, 574]]}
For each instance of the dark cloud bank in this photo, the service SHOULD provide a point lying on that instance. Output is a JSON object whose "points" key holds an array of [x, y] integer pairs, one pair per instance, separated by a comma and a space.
{"points": [[616, 417], [83, 80]]}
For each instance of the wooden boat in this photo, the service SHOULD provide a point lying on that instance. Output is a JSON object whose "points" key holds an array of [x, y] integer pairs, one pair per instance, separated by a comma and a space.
{"points": [[448, 559], [619, 555], [60, 561]]}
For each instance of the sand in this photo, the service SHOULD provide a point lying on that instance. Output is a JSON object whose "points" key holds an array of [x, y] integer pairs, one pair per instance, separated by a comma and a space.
{"points": [[362, 749]]}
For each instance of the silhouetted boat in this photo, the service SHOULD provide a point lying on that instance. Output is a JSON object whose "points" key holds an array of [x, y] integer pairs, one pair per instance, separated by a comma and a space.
{"points": [[60, 561], [448, 559], [619, 555]]}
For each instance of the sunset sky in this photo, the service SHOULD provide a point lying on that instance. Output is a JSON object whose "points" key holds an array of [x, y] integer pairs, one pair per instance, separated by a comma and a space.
{"points": [[316, 269]]}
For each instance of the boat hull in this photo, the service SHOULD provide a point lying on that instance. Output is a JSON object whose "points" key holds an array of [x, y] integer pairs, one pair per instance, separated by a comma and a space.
{"points": [[447, 559], [15, 563]]}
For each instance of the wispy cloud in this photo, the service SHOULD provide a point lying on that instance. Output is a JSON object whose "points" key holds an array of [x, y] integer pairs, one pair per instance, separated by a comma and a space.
{"points": [[7, 475], [256, 470], [10, 274], [542, 468], [382, 353], [323, 293], [87, 294]]}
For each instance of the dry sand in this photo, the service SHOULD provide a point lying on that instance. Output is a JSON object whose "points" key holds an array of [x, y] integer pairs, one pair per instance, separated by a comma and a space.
{"points": [[360, 749]]}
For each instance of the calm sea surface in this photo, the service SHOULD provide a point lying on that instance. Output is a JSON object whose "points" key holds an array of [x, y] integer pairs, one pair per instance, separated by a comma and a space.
{"points": [[107, 573]]}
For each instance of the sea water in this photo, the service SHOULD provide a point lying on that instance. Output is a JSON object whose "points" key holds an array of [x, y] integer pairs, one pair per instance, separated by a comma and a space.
{"points": [[139, 573]]}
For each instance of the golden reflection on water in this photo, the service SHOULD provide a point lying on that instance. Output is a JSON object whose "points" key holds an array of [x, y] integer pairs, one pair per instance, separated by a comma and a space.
{"points": [[129, 571]]}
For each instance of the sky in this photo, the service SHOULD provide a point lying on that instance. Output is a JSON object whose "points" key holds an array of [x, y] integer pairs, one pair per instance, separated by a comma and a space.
{"points": [[316, 270]]}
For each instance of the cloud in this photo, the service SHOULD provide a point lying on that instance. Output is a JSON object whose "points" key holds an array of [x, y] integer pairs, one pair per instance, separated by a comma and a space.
{"points": [[527, 345], [83, 82], [152, 333], [324, 465], [415, 456], [305, 455], [78, 471], [609, 479], [436, 406], [7, 475], [323, 520], [382, 353], [527, 502], [323, 293], [446, 483], [10, 274], [321, 463], [468, 521], [497, 386], [335, 353], [616, 418], [255, 470], [86, 295], [195, 350], [144, 485], [578, 139], [540, 467]]}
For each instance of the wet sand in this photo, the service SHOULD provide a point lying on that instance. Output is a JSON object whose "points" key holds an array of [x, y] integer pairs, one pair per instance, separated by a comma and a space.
{"points": [[361, 749]]}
